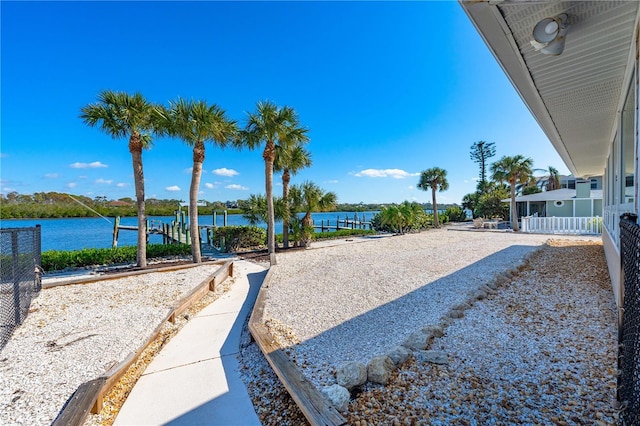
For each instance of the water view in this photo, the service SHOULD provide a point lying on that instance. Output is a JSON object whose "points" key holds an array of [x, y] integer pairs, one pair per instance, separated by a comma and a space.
{"points": [[79, 233]]}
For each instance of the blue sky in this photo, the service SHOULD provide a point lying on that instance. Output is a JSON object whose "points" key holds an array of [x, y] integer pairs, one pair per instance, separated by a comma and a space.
{"points": [[387, 89]]}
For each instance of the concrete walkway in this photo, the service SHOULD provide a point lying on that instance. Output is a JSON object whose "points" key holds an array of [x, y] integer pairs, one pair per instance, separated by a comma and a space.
{"points": [[195, 378]]}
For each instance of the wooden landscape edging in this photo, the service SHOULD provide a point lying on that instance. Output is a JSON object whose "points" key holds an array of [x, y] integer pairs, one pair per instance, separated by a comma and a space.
{"points": [[90, 395], [116, 276], [312, 404]]}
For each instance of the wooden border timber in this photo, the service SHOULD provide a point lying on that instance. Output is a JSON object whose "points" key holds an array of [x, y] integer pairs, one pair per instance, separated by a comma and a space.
{"points": [[116, 276], [197, 293], [312, 404], [90, 395]]}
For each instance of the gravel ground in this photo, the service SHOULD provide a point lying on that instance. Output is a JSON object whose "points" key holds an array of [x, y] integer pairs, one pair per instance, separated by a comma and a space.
{"points": [[75, 333], [539, 351]]}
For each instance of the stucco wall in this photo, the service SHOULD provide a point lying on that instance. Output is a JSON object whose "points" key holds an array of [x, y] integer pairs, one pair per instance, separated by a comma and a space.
{"points": [[565, 211], [583, 208]]}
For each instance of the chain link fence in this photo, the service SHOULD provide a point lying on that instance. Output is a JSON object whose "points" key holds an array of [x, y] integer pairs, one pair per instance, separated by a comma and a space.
{"points": [[628, 393], [19, 276]]}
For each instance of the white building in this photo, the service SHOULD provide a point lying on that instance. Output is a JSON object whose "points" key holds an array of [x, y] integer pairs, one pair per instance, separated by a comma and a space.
{"points": [[579, 79]]}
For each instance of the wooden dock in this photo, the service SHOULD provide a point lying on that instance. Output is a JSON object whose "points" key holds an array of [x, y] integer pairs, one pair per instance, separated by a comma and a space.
{"points": [[176, 232], [341, 224]]}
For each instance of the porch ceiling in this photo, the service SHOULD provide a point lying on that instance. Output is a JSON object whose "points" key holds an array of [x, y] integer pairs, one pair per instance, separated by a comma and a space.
{"points": [[573, 96]]}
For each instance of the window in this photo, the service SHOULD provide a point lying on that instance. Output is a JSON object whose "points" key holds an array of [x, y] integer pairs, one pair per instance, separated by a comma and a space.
{"points": [[628, 146], [560, 203], [594, 183], [571, 184]]}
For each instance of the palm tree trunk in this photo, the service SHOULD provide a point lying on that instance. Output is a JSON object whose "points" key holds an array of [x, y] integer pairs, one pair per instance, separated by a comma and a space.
{"points": [[268, 156], [306, 223], [198, 159], [135, 147], [436, 222], [514, 212], [286, 178]]}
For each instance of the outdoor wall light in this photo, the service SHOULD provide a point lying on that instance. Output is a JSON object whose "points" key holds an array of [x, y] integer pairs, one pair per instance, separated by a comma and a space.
{"points": [[548, 35]]}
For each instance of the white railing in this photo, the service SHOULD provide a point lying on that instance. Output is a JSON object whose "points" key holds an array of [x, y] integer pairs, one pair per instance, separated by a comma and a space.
{"points": [[562, 225]]}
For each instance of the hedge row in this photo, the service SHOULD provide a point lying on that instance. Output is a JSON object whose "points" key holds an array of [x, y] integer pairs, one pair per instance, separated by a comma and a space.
{"points": [[55, 260]]}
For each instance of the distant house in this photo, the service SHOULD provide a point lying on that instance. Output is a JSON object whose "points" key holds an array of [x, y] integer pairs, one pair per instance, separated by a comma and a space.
{"points": [[581, 85], [581, 201]]}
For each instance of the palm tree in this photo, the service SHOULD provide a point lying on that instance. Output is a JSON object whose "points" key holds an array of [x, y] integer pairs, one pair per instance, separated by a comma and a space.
{"points": [[512, 170], [290, 158], [270, 124], [309, 197], [435, 179], [196, 122], [554, 179], [121, 115], [254, 209]]}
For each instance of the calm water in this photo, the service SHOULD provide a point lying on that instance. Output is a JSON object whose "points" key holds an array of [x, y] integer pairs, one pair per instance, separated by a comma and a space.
{"points": [[79, 233]]}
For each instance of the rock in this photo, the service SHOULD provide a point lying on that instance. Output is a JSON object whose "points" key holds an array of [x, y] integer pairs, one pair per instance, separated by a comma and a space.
{"points": [[434, 330], [417, 340], [492, 285], [337, 396], [479, 295], [432, 357], [352, 374], [399, 354], [446, 322], [455, 314], [461, 307], [379, 369]]}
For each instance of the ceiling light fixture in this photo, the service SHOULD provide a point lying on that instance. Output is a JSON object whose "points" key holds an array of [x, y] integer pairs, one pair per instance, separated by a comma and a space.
{"points": [[548, 35]]}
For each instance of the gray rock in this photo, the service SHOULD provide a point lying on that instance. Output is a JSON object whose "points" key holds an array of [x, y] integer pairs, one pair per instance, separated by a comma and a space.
{"points": [[337, 396], [434, 330], [379, 369], [461, 307], [479, 295], [352, 374], [399, 354], [417, 340], [432, 357], [455, 314]]}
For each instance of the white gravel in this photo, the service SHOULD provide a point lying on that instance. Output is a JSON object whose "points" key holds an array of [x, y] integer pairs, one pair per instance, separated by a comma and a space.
{"points": [[541, 349], [76, 333], [354, 302]]}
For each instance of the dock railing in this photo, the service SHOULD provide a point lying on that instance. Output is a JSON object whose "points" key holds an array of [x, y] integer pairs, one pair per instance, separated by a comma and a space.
{"points": [[562, 225]]}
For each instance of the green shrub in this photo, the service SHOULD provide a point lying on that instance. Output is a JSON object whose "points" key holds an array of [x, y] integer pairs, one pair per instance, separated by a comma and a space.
{"points": [[236, 237], [55, 260], [455, 214], [340, 234]]}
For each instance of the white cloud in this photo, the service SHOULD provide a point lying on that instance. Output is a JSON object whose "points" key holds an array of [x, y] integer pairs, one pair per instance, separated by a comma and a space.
{"points": [[209, 185], [411, 187], [237, 187], [173, 188], [383, 173], [72, 185], [331, 181], [94, 165], [225, 172], [52, 175], [105, 181], [475, 179], [122, 185]]}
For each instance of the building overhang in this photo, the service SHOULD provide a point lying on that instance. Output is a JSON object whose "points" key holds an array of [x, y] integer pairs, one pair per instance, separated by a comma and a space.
{"points": [[575, 96]]}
